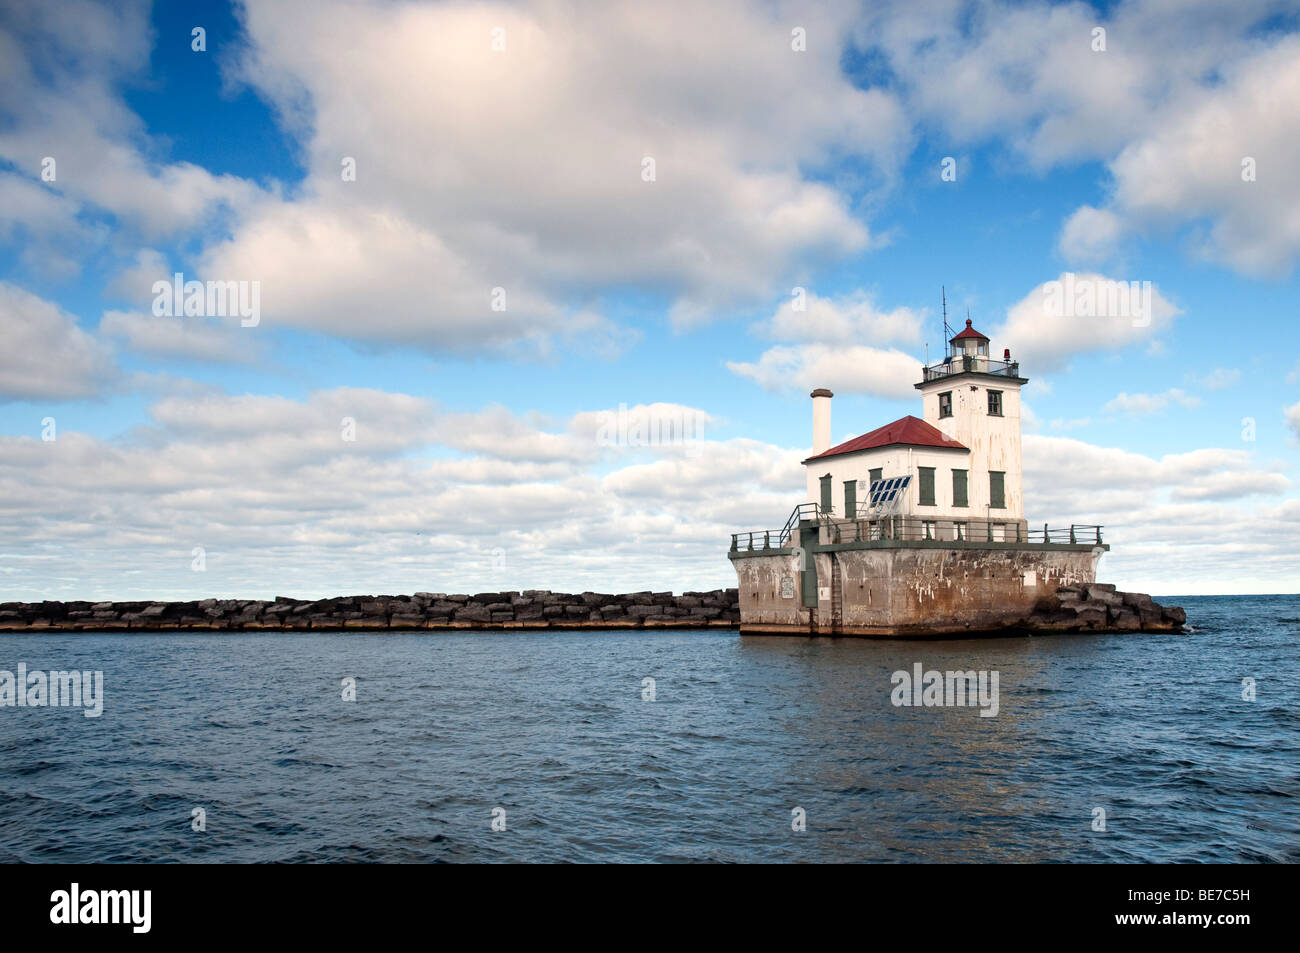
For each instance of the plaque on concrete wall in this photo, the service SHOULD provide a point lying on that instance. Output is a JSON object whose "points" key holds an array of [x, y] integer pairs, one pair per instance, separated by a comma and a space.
{"points": [[787, 587]]}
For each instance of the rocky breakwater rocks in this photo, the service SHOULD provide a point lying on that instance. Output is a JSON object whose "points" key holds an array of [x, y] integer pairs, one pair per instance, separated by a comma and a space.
{"points": [[1097, 607], [531, 609]]}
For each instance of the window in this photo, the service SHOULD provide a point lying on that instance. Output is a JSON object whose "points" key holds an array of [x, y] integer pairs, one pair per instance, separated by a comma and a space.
{"points": [[997, 489], [945, 404], [961, 530], [927, 486], [927, 529], [995, 403], [875, 476], [959, 488]]}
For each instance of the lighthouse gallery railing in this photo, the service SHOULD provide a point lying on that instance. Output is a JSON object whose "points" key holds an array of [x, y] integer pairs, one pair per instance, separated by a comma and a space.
{"points": [[911, 528], [976, 363]]}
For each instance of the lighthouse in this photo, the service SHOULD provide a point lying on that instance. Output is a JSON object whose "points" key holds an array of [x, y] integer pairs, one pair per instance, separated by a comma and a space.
{"points": [[916, 527], [958, 463]]}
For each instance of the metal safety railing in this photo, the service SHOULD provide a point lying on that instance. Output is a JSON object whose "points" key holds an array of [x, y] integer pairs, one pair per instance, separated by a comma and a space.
{"points": [[1077, 533], [912, 528], [965, 363], [778, 538]]}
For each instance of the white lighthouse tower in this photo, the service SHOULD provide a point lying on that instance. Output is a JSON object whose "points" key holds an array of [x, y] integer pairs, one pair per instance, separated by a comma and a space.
{"points": [[975, 401]]}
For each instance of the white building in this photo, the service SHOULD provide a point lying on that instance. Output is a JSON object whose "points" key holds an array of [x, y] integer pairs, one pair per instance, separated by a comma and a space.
{"points": [[961, 458]]}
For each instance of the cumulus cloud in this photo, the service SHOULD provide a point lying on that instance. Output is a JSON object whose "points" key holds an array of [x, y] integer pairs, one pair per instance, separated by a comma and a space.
{"points": [[1176, 523], [838, 342], [1150, 403], [44, 225], [1090, 235], [1064, 469], [849, 319], [48, 357], [1180, 96], [1080, 313], [219, 340], [1220, 157], [134, 284], [62, 73], [858, 370], [282, 502], [448, 204], [1030, 72], [1219, 378]]}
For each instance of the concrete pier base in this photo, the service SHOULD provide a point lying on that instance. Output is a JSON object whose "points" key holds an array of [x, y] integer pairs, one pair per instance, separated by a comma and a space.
{"points": [[927, 589]]}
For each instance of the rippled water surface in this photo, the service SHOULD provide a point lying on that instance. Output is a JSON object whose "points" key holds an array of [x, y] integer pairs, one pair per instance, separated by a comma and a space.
{"points": [[552, 728]]}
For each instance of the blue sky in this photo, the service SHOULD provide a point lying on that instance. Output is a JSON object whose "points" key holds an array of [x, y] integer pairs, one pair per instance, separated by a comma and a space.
{"points": [[476, 464]]}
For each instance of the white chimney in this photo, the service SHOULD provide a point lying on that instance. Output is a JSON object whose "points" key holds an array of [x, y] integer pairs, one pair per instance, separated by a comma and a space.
{"points": [[821, 399]]}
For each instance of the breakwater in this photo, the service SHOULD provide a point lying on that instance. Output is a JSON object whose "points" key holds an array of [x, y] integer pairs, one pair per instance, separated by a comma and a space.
{"points": [[530, 609], [1099, 606], [1093, 607]]}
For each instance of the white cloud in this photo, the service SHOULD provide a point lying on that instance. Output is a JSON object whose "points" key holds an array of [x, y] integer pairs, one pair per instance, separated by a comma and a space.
{"points": [[1189, 166], [1181, 523], [849, 319], [1293, 418], [1181, 95], [44, 225], [219, 340], [1028, 71], [1231, 486], [62, 73], [48, 357], [839, 343], [1090, 235], [522, 169], [283, 505], [1044, 336], [135, 283], [843, 369], [1220, 378], [1150, 403]]}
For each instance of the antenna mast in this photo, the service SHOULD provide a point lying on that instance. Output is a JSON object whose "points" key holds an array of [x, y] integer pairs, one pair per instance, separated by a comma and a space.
{"points": [[947, 331]]}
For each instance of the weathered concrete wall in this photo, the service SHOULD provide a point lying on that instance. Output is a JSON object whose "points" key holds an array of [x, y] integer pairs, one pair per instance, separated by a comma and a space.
{"points": [[762, 582], [532, 609], [945, 590], [930, 590]]}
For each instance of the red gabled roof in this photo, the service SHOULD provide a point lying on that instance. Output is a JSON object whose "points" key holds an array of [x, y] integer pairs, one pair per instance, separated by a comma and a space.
{"points": [[970, 332], [905, 431]]}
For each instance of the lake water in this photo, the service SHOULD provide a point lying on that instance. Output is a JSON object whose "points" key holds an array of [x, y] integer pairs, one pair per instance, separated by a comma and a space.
{"points": [[553, 729]]}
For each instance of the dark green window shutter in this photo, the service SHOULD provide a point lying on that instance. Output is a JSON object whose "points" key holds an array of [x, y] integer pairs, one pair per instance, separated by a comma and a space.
{"points": [[874, 476], [959, 488], [850, 499], [927, 485], [826, 493], [997, 489]]}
